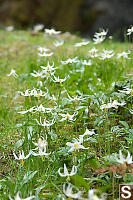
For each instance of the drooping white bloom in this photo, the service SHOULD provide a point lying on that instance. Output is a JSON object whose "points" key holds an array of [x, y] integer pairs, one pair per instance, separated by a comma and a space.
{"points": [[10, 28], [37, 74], [13, 73], [123, 160], [83, 43], [123, 54], [45, 54], [130, 31], [106, 54], [70, 61], [41, 147], [41, 144], [45, 123], [85, 62], [49, 68], [21, 157], [114, 104], [102, 33], [76, 145], [52, 32], [127, 91], [69, 191], [38, 27], [93, 53], [87, 133], [17, 197], [66, 173], [58, 43], [98, 39], [76, 99], [42, 49], [67, 117], [35, 92], [42, 109], [59, 80]]}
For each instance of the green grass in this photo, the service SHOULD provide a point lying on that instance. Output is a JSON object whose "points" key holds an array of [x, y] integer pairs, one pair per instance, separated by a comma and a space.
{"points": [[113, 128]]}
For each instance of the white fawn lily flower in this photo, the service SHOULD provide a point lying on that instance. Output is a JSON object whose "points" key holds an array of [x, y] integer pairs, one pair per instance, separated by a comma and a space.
{"points": [[123, 54], [13, 73], [69, 191], [70, 61], [87, 133], [45, 123], [39, 93], [102, 33], [37, 74], [114, 104], [67, 117], [40, 153], [130, 31], [48, 68], [43, 49], [42, 109], [98, 39], [123, 160], [76, 99], [52, 32], [41, 147], [76, 145], [38, 27], [85, 62], [17, 197], [35, 92], [42, 144], [59, 80], [127, 91], [45, 54], [9, 28], [83, 43], [106, 54], [93, 53], [22, 157], [58, 43], [66, 173]]}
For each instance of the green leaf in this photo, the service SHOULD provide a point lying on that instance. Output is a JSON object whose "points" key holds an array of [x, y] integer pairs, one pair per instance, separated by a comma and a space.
{"points": [[124, 124], [19, 143], [79, 181], [27, 177]]}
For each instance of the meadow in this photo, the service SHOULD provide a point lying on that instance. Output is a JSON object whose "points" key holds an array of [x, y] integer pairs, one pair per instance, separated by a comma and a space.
{"points": [[66, 125]]}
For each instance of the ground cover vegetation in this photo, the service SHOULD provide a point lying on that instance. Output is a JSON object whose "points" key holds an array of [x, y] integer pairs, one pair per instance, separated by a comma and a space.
{"points": [[66, 110]]}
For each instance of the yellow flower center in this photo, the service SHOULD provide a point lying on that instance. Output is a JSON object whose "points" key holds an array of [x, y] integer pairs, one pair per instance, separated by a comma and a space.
{"points": [[48, 75], [42, 157], [76, 146], [38, 96], [68, 117], [29, 97], [22, 162]]}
